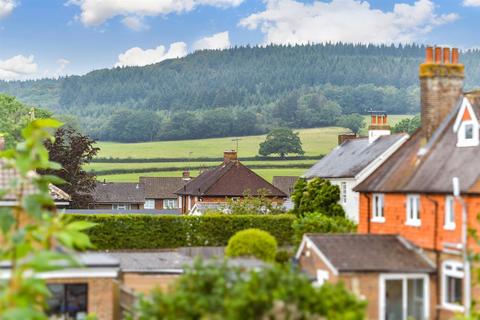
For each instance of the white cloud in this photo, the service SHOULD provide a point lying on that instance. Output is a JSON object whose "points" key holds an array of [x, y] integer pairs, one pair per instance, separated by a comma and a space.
{"points": [[217, 41], [139, 57], [17, 67], [6, 7], [290, 21], [95, 12], [471, 3], [134, 23]]}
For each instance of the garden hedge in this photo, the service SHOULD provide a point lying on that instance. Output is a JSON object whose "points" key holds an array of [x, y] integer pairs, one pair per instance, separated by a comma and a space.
{"points": [[138, 231]]}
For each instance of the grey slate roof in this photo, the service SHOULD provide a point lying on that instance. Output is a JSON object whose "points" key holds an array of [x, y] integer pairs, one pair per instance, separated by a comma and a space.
{"points": [[351, 157], [285, 183], [407, 171], [173, 261], [119, 192], [371, 253], [162, 187]]}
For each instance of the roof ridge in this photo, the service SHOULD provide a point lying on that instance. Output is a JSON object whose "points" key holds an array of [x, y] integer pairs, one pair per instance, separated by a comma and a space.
{"points": [[222, 174], [261, 178]]}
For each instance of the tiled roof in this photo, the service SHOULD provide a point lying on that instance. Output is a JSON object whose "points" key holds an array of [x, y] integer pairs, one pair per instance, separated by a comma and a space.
{"points": [[119, 192], [232, 179], [351, 157], [8, 176], [371, 253], [430, 171], [285, 183], [162, 187]]}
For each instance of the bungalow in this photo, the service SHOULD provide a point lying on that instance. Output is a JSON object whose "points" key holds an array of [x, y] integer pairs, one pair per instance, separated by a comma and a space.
{"points": [[355, 159], [118, 196], [160, 191], [230, 180], [428, 191], [388, 271]]}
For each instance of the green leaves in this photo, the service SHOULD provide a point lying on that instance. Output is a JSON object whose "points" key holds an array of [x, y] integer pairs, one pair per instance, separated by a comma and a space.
{"points": [[281, 141], [30, 229], [217, 291], [317, 195]]}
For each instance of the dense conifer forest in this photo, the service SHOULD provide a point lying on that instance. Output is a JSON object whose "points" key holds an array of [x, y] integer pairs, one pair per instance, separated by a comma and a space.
{"points": [[238, 91]]}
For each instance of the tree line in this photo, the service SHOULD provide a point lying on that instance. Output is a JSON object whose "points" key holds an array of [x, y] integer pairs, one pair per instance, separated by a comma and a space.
{"points": [[238, 91]]}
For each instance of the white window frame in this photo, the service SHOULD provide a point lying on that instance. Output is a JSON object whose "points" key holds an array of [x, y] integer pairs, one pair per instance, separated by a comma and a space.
{"points": [[463, 141], [378, 207], [170, 204], [149, 204], [449, 218], [343, 192], [413, 210], [121, 206], [404, 277], [322, 277], [454, 269]]}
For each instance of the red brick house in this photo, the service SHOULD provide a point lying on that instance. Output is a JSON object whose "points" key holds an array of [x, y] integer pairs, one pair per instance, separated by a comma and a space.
{"points": [[160, 191], [229, 180], [412, 193], [375, 268]]}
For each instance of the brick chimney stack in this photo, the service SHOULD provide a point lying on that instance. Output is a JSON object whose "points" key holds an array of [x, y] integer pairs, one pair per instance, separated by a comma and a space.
{"points": [[441, 84], [378, 126], [2, 143], [229, 155]]}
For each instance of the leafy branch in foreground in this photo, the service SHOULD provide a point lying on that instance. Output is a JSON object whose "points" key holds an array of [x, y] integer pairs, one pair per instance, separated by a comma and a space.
{"points": [[31, 230]]}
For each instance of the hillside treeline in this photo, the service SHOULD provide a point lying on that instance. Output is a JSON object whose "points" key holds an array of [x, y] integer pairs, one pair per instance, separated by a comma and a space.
{"points": [[239, 91]]}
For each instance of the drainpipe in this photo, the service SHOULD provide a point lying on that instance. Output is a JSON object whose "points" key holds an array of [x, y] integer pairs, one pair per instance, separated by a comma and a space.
{"points": [[466, 261], [437, 256], [369, 213]]}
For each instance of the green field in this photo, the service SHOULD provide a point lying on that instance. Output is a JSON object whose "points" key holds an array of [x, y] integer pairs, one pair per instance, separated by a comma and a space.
{"points": [[315, 142], [267, 174]]}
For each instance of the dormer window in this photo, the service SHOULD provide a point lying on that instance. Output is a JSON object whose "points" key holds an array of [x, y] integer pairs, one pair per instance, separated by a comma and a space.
{"points": [[468, 134], [467, 126]]}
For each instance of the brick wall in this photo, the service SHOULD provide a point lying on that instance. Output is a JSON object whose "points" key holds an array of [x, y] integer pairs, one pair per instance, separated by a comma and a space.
{"points": [[144, 283], [431, 234], [102, 295]]}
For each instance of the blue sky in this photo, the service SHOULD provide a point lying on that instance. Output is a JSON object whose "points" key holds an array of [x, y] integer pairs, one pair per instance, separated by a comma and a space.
{"points": [[56, 37]]}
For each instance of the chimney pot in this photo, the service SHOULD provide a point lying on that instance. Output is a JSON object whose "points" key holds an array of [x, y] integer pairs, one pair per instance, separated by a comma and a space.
{"points": [[429, 55], [438, 55], [455, 56], [446, 55]]}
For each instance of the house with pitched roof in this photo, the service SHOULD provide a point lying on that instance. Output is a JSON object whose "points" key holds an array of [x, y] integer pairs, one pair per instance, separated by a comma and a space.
{"points": [[354, 159], [428, 191], [374, 268], [160, 191], [118, 196], [230, 180], [286, 184]]}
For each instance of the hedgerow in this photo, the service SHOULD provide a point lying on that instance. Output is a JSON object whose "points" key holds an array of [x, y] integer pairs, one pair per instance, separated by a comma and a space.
{"points": [[135, 231]]}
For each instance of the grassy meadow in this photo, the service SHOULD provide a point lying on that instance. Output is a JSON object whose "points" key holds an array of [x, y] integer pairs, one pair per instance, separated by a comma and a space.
{"points": [[316, 141]]}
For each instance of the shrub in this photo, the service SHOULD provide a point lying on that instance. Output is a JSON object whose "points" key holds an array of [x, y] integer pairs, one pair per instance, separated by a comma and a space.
{"points": [[317, 195], [141, 231], [283, 256], [252, 243], [212, 291], [320, 223]]}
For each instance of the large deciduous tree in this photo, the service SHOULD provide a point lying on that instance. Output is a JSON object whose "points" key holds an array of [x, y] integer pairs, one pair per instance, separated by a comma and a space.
{"points": [[73, 150], [354, 122], [281, 141]]}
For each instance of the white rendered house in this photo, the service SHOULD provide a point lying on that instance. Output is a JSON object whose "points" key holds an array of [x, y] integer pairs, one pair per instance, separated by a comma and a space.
{"points": [[354, 160]]}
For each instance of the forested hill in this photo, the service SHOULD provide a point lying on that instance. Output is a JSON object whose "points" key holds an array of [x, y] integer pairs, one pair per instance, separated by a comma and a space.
{"points": [[238, 91]]}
